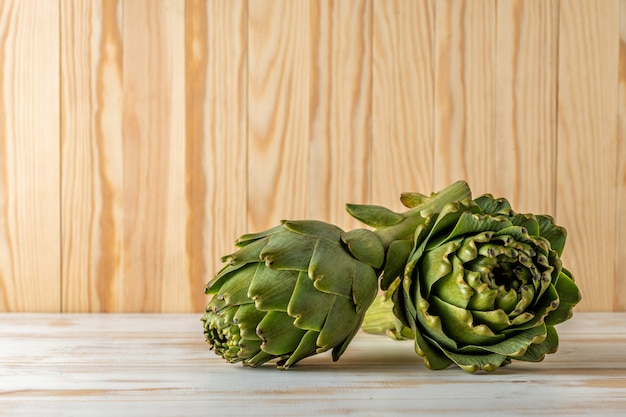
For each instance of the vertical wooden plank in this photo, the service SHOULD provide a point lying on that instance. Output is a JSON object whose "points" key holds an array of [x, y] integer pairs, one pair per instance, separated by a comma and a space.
{"points": [[465, 93], [155, 205], [278, 111], [403, 89], [587, 144], [619, 290], [29, 156], [91, 146], [524, 168], [216, 181], [340, 108]]}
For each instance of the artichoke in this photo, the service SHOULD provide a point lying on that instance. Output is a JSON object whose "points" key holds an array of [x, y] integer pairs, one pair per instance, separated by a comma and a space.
{"points": [[295, 290], [482, 286], [303, 287]]}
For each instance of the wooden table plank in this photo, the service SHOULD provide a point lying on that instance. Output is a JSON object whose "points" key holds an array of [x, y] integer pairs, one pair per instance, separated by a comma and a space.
{"points": [[159, 365]]}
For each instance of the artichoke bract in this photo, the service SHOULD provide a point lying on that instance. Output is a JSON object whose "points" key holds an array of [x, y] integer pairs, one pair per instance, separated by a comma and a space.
{"points": [[484, 285], [303, 287], [290, 292]]}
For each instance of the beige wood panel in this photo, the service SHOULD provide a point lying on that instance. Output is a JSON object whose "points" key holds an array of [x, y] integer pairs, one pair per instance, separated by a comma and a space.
{"points": [[92, 142], [465, 93], [155, 209], [216, 176], [29, 156], [340, 109], [525, 113], [619, 291], [587, 145], [403, 95], [278, 111], [144, 195], [139, 138], [124, 206]]}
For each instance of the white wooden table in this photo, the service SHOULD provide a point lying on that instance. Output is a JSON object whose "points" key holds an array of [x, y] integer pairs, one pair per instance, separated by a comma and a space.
{"points": [[159, 365]]}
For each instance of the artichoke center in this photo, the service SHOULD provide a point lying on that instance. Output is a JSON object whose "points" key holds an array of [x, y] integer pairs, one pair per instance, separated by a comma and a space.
{"points": [[505, 274]]}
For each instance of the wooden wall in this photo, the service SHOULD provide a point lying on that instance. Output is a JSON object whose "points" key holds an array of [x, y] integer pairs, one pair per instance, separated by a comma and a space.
{"points": [[139, 138]]}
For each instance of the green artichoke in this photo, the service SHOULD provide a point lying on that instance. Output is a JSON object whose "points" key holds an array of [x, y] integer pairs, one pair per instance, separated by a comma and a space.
{"points": [[483, 285], [303, 287], [295, 290]]}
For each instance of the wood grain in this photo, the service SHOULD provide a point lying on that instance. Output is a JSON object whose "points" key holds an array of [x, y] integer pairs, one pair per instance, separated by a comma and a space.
{"points": [[159, 365], [29, 157], [403, 91], [465, 93], [139, 139], [92, 154], [216, 136], [619, 290], [278, 111], [340, 108], [587, 145], [524, 145], [155, 205]]}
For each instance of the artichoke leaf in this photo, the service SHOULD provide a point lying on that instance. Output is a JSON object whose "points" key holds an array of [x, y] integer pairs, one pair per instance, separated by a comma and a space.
{"points": [[248, 348], [433, 356], [513, 346], [278, 334], [497, 320], [235, 291], [364, 286], [452, 287], [470, 223], [526, 298], [411, 200], [490, 205], [306, 347], [237, 260], [365, 246], [556, 235], [472, 363], [569, 296], [458, 324], [248, 238], [469, 249], [548, 302], [431, 325], [375, 216], [288, 250], [397, 255], [308, 306], [246, 254], [341, 320], [259, 359], [272, 289], [537, 351], [246, 318], [518, 233], [436, 265], [340, 349], [314, 228], [528, 222], [483, 298], [334, 277]]}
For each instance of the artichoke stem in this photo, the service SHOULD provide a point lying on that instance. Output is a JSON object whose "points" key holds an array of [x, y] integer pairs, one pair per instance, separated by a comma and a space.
{"points": [[417, 215]]}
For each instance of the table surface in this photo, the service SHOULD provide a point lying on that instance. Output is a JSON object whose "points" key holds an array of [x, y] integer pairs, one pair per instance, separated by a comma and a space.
{"points": [[160, 365]]}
